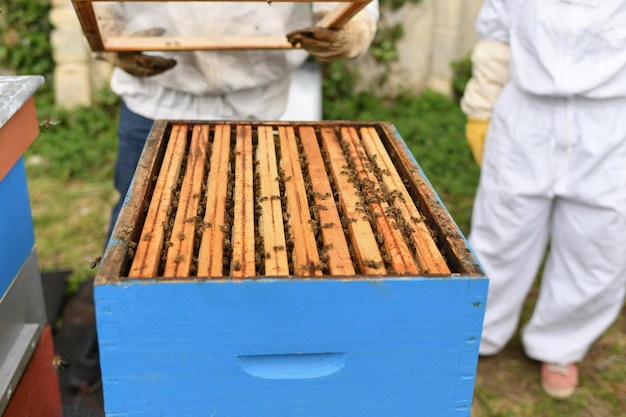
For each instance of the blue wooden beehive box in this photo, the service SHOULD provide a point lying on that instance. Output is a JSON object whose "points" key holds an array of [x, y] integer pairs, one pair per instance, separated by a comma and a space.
{"points": [[22, 310], [286, 269]]}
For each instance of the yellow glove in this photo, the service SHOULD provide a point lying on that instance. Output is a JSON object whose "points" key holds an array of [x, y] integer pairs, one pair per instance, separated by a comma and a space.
{"points": [[475, 133], [327, 45]]}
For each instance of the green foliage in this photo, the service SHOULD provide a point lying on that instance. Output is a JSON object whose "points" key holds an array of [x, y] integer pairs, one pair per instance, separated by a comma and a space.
{"points": [[383, 48], [338, 82], [384, 45], [462, 71], [432, 126], [396, 4], [81, 146], [24, 38]]}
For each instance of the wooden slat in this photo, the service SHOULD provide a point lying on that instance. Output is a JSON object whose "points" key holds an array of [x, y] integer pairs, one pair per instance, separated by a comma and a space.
{"points": [[305, 253], [150, 245], [121, 247], [180, 253], [211, 252], [179, 43], [243, 239], [271, 221], [87, 18], [396, 247], [428, 256], [362, 236], [341, 14], [335, 244]]}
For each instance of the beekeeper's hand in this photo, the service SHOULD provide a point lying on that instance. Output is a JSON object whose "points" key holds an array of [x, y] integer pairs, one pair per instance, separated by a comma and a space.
{"points": [[136, 62], [490, 71], [475, 133], [327, 45]]}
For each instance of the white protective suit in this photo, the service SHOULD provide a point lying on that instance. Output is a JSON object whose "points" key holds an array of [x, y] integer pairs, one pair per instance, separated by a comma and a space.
{"points": [[554, 173], [205, 85]]}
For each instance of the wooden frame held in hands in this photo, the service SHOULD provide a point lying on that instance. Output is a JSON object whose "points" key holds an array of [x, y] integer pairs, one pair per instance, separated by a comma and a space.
{"points": [[98, 42]]}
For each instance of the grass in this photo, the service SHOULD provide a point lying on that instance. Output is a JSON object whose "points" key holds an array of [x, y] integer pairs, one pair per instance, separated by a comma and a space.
{"points": [[70, 224], [70, 170], [507, 385]]}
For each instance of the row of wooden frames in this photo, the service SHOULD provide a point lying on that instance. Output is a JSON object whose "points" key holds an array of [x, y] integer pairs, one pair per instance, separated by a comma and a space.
{"points": [[293, 198], [101, 42]]}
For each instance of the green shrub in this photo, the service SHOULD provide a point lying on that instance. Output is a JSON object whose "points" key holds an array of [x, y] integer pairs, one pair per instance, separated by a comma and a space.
{"points": [[396, 4], [383, 47], [81, 146], [24, 38], [462, 72]]}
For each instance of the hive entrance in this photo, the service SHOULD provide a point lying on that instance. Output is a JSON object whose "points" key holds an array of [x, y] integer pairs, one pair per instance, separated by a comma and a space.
{"points": [[248, 200]]}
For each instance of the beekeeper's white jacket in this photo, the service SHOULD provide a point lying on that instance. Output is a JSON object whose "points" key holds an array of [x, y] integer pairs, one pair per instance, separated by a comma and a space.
{"points": [[218, 84], [554, 171]]}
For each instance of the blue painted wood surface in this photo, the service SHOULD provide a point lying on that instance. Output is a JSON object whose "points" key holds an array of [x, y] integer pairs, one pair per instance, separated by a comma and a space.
{"points": [[17, 235], [392, 347]]}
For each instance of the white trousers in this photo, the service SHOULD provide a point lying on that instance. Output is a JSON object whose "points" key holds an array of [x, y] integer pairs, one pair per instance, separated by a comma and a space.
{"points": [[553, 182]]}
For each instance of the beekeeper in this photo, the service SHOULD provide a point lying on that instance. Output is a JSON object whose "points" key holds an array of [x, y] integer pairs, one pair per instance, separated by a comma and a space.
{"points": [[549, 92], [211, 85]]}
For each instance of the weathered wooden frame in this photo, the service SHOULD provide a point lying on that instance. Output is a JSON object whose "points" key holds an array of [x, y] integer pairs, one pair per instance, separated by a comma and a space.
{"points": [[335, 19]]}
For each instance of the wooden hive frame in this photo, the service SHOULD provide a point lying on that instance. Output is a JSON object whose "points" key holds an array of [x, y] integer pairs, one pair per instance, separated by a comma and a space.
{"points": [[240, 200], [98, 42]]}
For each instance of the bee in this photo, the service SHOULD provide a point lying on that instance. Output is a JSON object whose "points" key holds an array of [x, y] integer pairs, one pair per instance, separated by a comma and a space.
{"points": [[95, 262], [131, 249], [48, 122], [237, 266], [57, 363]]}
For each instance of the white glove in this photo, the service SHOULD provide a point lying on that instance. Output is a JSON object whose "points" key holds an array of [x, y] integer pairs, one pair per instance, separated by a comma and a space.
{"points": [[327, 45], [490, 71]]}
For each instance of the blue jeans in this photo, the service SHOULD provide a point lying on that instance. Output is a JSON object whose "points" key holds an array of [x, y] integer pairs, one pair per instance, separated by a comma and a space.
{"points": [[132, 131]]}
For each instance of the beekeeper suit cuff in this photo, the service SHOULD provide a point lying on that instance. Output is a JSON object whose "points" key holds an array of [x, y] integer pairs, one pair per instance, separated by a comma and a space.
{"points": [[348, 42], [490, 71]]}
